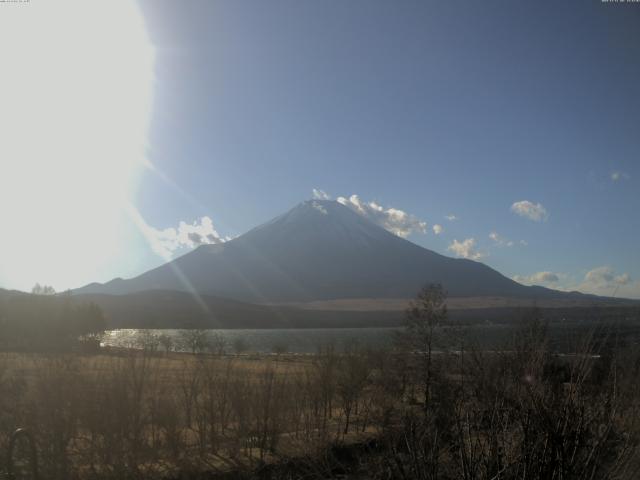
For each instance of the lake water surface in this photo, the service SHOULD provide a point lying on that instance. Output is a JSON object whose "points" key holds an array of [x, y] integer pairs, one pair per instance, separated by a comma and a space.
{"points": [[292, 340], [303, 340], [564, 337]]}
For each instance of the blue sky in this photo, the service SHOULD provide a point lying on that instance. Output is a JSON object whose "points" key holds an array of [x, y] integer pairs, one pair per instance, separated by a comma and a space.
{"points": [[432, 108]]}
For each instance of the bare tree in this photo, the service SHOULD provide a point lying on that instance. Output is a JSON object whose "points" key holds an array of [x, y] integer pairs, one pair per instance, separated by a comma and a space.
{"points": [[240, 345], [424, 315], [217, 344], [166, 341], [195, 340], [43, 290]]}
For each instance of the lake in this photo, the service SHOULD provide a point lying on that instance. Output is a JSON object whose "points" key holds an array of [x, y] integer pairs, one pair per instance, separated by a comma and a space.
{"points": [[564, 337], [292, 340], [304, 340]]}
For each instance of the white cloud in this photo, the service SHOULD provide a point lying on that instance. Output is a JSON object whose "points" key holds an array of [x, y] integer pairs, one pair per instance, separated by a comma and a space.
{"points": [[438, 229], [539, 278], [466, 249], [169, 241], [500, 240], [617, 176], [320, 194], [451, 217], [606, 281], [623, 279], [320, 208], [396, 221], [530, 210], [605, 277]]}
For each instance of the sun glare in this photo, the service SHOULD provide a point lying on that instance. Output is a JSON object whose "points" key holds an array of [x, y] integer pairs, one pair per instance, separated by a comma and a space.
{"points": [[75, 104]]}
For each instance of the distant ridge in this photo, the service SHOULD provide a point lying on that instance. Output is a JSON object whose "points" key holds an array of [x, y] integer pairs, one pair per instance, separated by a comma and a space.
{"points": [[321, 250], [174, 309]]}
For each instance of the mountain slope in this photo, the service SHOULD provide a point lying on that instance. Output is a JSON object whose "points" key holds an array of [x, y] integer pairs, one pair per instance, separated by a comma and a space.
{"points": [[319, 250]]}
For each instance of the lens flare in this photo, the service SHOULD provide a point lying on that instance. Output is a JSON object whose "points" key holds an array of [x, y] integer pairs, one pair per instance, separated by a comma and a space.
{"points": [[75, 107]]}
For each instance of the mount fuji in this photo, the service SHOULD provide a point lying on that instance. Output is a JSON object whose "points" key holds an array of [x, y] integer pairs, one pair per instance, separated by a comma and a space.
{"points": [[319, 251]]}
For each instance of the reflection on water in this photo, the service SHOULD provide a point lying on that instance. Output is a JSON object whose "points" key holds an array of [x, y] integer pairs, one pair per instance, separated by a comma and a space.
{"points": [[565, 337], [265, 341]]}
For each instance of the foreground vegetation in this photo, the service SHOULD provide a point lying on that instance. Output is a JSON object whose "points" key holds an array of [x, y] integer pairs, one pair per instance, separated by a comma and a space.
{"points": [[433, 408]]}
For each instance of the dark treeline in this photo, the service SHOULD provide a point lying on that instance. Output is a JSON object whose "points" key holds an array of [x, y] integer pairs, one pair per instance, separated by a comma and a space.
{"points": [[44, 322]]}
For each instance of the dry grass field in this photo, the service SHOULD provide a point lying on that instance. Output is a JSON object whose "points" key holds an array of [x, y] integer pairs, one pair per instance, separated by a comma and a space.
{"points": [[141, 414], [424, 410]]}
